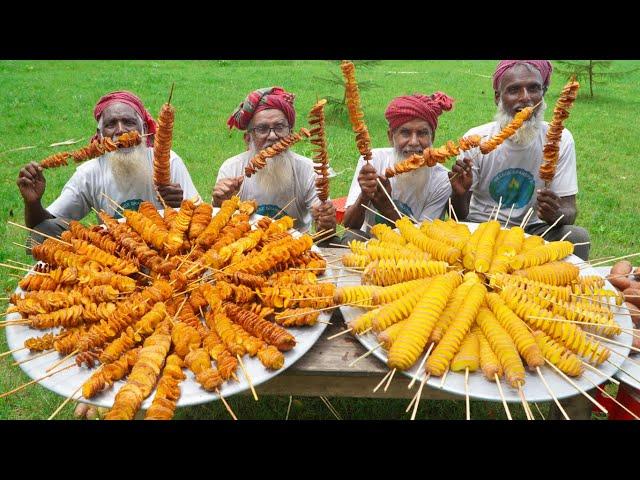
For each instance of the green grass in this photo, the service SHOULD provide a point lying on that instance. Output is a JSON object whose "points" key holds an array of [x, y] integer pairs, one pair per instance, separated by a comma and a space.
{"points": [[49, 101]]}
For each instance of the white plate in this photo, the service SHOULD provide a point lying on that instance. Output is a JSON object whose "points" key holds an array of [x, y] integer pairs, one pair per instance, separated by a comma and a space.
{"points": [[67, 382], [534, 389]]}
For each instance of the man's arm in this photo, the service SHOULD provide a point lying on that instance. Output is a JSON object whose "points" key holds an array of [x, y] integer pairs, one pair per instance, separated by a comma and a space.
{"points": [[461, 178], [549, 207]]}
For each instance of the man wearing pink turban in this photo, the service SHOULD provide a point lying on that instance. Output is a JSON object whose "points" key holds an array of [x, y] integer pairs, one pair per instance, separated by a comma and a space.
{"points": [[125, 175], [286, 186], [423, 193], [510, 172]]}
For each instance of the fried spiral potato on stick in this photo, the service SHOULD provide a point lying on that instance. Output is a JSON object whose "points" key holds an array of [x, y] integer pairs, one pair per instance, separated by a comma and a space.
{"points": [[162, 145], [356, 116], [551, 149], [519, 118], [321, 156], [259, 161]]}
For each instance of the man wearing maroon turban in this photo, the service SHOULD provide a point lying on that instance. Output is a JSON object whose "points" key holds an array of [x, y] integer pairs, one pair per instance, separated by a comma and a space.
{"points": [[124, 175], [423, 193], [286, 186], [510, 172]]}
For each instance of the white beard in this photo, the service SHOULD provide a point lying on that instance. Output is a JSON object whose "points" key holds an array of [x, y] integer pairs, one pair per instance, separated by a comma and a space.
{"points": [[413, 181], [130, 168], [277, 176], [529, 129]]}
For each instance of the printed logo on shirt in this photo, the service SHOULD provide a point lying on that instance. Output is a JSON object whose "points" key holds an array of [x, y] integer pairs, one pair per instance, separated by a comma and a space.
{"points": [[270, 211], [514, 185], [404, 209], [132, 204]]}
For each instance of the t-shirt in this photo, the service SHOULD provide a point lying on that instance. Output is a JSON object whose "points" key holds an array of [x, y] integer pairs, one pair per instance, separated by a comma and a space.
{"points": [[84, 189], [303, 189], [426, 203], [511, 172]]}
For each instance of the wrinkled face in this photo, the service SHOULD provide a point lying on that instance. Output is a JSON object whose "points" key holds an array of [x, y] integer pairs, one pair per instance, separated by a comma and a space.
{"points": [[267, 127], [117, 119], [411, 137], [520, 87]]}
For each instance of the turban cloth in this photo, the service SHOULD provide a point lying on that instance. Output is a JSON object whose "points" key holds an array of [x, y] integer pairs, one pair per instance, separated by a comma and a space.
{"points": [[134, 102], [425, 107], [263, 99], [543, 66]]}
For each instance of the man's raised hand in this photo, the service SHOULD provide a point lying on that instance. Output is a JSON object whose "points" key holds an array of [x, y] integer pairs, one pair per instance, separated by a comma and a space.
{"points": [[31, 182]]}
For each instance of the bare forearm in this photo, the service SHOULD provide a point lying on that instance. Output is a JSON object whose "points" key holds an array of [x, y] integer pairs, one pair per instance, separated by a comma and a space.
{"points": [[354, 215], [35, 214], [460, 204]]}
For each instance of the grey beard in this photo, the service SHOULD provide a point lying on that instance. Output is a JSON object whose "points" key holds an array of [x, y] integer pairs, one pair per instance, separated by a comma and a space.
{"points": [[529, 130], [411, 181], [130, 168], [277, 175]]}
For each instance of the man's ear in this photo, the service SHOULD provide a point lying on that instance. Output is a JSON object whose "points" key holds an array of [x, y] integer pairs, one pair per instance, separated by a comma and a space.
{"points": [[496, 97], [390, 136]]}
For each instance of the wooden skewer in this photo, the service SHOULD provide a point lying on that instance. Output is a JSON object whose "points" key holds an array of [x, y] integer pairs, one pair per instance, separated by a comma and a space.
{"points": [[555, 399], [424, 359], [390, 378], [526, 218], [355, 233], [573, 384], [62, 361], [118, 206], [378, 213], [331, 407], [615, 259], [602, 374], [275, 217], [493, 210], [596, 259], [623, 370], [39, 233], [627, 359], [552, 225], [499, 207], [289, 407], [339, 246], [418, 395], [22, 269], [33, 358], [538, 408], [226, 405], [320, 233], [595, 325], [65, 402], [17, 389], [607, 303], [525, 404], [4, 354], [509, 217], [19, 263], [566, 235], [605, 339], [364, 355], [581, 243], [389, 198], [246, 374], [504, 400], [386, 375], [340, 333], [325, 237], [444, 377], [604, 392], [466, 386]]}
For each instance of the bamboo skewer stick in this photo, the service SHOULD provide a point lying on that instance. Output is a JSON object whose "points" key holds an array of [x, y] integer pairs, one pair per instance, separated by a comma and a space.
{"points": [[604, 392], [566, 235], [9, 352], [595, 325], [378, 213], [605, 339], [289, 407], [552, 225], [226, 405], [424, 359], [389, 198], [68, 399], [504, 400], [619, 367], [390, 378], [33, 358], [466, 390], [246, 374], [538, 408], [331, 408], [17, 389], [555, 399], [62, 361], [526, 218], [615, 259], [602, 374], [573, 384], [364, 355], [444, 377], [340, 333], [283, 208], [386, 375], [506, 224], [39, 233], [22, 269], [418, 395], [525, 404]]}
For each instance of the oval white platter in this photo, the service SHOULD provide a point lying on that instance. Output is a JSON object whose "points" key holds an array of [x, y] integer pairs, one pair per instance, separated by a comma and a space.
{"points": [[534, 388], [68, 381]]}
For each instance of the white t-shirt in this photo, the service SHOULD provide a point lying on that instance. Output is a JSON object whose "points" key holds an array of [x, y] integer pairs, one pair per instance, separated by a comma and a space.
{"points": [[84, 189], [511, 171], [303, 189], [428, 202]]}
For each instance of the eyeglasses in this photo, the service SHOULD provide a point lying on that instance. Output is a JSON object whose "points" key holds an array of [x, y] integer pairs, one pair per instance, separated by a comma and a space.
{"points": [[264, 131]]}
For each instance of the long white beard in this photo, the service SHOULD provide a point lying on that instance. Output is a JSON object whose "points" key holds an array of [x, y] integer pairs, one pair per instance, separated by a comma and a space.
{"points": [[529, 129], [130, 168], [413, 181], [277, 176]]}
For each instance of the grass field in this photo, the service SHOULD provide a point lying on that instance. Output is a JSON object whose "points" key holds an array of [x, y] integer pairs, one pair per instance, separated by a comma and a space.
{"points": [[50, 101]]}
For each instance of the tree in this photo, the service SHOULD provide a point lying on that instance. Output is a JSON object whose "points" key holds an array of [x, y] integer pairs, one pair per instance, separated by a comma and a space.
{"points": [[595, 71]]}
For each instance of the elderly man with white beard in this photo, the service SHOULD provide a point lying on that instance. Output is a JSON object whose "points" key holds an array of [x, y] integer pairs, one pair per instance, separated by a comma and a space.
{"points": [[125, 175], [422, 193], [286, 185], [511, 170]]}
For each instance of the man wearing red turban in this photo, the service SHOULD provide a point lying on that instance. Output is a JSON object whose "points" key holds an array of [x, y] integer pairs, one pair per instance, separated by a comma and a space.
{"points": [[125, 175], [510, 172], [423, 193], [286, 186]]}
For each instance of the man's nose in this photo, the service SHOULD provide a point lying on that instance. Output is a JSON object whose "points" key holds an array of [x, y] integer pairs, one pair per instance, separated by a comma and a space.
{"points": [[525, 95], [413, 139], [119, 130]]}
